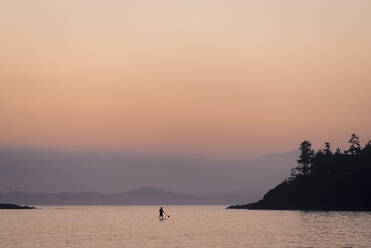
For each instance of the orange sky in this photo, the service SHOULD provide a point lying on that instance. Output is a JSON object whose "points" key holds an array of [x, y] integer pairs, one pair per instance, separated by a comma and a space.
{"points": [[212, 77]]}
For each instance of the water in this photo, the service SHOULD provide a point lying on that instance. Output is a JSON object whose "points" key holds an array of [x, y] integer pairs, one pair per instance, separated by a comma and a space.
{"points": [[188, 226]]}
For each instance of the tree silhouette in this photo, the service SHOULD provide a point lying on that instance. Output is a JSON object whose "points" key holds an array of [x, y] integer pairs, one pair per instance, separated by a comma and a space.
{"points": [[338, 151], [367, 147], [305, 158], [324, 180], [327, 149], [355, 146]]}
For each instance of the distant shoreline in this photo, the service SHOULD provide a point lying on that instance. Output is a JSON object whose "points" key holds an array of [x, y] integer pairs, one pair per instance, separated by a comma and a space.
{"points": [[250, 207], [14, 206], [142, 196]]}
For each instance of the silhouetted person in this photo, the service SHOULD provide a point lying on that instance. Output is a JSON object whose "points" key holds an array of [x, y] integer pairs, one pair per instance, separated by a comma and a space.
{"points": [[161, 217]]}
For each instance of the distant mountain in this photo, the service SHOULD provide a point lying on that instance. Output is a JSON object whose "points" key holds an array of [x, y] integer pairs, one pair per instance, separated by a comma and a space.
{"points": [[143, 196], [271, 169], [42, 170]]}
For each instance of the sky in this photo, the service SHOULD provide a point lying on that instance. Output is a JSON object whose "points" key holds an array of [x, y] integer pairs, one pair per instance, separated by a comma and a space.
{"points": [[211, 78]]}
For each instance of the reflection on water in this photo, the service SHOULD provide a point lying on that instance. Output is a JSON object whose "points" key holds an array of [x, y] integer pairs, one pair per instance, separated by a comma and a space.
{"points": [[188, 226]]}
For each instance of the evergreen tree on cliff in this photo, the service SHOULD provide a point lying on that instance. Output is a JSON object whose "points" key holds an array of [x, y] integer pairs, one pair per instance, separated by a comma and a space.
{"points": [[324, 180], [304, 160]]}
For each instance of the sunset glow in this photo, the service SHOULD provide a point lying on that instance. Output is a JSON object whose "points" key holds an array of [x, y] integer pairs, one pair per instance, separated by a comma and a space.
{"points": [[216, 78]]}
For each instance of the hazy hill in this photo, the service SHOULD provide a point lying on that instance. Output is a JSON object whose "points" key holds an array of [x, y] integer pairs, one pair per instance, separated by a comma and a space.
{"points": [[40, 170], [143, 196]]}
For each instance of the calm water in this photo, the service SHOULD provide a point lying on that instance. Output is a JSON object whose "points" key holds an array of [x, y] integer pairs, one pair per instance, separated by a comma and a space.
{"points": [[188, 226]]}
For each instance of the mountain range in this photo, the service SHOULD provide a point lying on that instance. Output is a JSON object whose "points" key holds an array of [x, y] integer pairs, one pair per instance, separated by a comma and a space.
{"points": [[46, 171], [143, 196]]}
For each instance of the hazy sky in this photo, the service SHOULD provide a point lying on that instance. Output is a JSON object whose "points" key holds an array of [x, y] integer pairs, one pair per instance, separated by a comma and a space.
{"points": [[212, 77]]}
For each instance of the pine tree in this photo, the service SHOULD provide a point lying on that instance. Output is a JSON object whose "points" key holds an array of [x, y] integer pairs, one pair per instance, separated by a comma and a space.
{"points": [[327, 149], [305, 158], [355, 146]]}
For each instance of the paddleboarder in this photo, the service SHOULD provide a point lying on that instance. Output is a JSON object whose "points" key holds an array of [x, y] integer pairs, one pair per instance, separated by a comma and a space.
{"points": [[161, 217]]}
